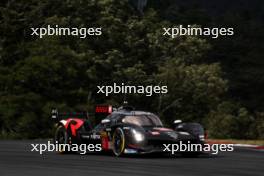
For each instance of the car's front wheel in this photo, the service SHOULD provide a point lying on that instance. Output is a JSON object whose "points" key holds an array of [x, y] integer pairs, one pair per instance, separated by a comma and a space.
{"points": [[118, 142]]}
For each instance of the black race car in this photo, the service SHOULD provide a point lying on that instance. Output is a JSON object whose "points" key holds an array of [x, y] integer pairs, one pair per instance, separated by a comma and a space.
{"points": [[124, 131]]}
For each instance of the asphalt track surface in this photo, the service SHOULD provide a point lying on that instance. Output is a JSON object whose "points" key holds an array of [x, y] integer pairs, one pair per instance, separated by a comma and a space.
{"points": [[16, 159]]}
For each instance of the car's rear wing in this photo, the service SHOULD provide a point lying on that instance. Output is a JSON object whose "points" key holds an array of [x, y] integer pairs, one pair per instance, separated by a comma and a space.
{"points": [[101, 111], [56, 115]]}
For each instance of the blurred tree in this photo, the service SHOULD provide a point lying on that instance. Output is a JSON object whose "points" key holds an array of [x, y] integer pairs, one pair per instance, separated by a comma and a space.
{"points": [[64, 71]]}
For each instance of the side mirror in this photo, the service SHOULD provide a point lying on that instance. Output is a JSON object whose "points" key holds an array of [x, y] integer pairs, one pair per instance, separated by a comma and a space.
{"points": [[177, 121], [176, 124], [105, 121], [106, 124]]}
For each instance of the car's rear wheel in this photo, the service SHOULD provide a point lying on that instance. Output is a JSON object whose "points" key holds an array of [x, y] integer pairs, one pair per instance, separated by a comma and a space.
{"points": [[118, 142], [61, 137]]}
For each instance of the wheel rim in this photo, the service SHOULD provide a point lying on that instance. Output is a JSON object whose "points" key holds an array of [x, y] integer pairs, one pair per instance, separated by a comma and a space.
{"points": [[118, 142]]}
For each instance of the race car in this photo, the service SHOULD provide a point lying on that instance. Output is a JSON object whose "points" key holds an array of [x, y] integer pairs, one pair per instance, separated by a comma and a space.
{"points": [[124, 130]]}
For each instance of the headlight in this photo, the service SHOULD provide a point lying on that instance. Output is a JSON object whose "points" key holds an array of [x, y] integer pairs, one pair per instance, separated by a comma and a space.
{"points": [[138, 136]]}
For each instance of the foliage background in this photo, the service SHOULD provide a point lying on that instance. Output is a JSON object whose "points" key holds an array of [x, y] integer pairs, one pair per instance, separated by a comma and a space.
{"points": [[217, 82]]}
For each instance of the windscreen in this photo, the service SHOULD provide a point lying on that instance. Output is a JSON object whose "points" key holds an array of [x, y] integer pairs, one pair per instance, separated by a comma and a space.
{"points": [[143, 120]]}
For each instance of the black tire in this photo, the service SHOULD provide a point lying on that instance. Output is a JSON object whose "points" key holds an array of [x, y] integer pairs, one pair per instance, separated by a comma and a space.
{"points": [[118, 142], [61, 137]]}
